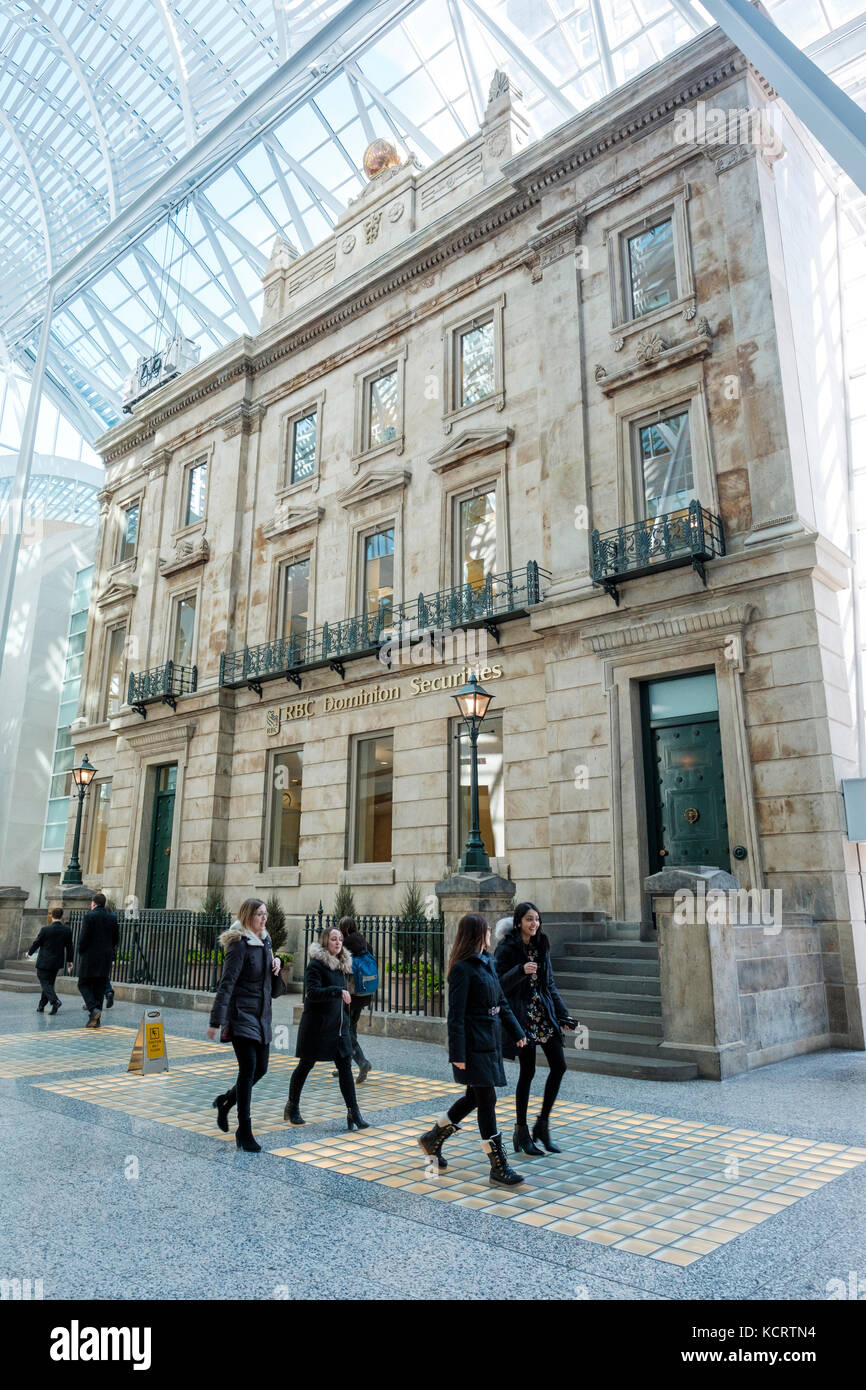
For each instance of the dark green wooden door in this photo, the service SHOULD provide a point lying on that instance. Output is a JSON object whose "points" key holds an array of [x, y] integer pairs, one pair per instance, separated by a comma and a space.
{"points": [[691, 822], [160, 840]]}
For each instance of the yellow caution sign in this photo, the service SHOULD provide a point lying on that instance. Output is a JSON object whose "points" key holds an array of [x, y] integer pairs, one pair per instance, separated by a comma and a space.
{"points": [[149, 1051]]}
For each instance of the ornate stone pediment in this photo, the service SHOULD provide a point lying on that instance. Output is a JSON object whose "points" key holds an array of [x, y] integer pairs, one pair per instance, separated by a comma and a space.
{"points": [[470, 444], [117, 592], [188, 552], [373, 484], [288, 518]]}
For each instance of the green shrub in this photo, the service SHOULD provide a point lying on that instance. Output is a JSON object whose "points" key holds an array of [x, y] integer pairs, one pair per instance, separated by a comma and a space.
{"points": [[410, 938], [277, 930], [212, 905], [344, 903]]}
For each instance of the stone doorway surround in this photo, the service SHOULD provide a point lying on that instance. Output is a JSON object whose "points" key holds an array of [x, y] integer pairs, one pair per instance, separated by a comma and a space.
{"points": [[152, 749], [635, 652]]}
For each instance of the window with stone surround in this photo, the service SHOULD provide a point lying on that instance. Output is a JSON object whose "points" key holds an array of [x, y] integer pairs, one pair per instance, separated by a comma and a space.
{"points": [[377, 573], [379, 408], [473, 362], [651, 270], [183, 637], [194, 493], [650, 264], [115, 664], [128, 537], [666, 477], [370, 811], [100, 807], [475, 537], [491, 787], [295, 599], [283, 802]]}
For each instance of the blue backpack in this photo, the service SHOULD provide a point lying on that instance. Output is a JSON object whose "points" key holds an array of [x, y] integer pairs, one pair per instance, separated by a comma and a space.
{"points": [[366, 973]]}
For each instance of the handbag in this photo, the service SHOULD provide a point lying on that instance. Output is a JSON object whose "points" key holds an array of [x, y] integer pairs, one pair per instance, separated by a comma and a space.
{"points": [[278, 986]]}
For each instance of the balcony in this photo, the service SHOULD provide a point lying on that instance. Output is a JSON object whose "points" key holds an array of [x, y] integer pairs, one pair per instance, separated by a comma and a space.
{"points": [[687, 537], [163, 683], [501, 598]]}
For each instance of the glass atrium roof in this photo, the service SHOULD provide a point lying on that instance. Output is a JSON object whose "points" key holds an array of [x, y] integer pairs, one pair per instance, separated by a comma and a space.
{"points": [[150, 153]]}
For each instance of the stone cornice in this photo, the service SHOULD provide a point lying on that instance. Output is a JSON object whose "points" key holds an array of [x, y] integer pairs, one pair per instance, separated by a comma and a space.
{"points": [[117, 593], [287, 519], [170, 736], [654, 355], [187, 555], [603, 641], [374, 484], [470, 444]]}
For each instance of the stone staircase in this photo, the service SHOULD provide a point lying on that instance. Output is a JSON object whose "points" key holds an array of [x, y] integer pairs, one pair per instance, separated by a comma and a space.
{"points": [[609, 981], [19, 977]]}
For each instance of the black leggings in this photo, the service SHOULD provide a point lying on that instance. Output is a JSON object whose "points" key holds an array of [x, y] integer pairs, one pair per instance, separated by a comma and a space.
{"points": [[345, 1078], [252, 1065], [553, 1051], [482, 1098]]}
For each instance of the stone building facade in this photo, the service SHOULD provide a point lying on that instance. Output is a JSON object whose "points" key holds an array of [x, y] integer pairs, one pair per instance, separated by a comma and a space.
{"points": [[589, 390]]}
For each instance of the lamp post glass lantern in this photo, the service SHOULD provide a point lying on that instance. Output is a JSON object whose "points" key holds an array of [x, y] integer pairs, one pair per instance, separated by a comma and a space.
{"points": [[82, 776], [473, 701]]}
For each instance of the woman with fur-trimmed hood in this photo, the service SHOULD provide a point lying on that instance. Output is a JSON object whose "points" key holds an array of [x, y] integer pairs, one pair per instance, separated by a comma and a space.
{"points": [[242, 1010], [324, 1034]]}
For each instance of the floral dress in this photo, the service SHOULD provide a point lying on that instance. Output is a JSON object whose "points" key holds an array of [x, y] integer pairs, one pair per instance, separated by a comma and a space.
{"points": [[538, 1026]]}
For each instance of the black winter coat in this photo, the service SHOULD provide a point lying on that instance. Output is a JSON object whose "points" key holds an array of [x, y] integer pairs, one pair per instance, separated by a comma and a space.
{"points": [[97, 944], [54, 944], [511, 956], [323, 1033], [243, 997], [474, 1033]]}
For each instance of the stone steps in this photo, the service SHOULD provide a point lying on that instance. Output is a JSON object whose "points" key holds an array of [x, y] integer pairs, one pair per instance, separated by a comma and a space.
{"points": [[19, 977], [639, 1068], [621, 1024], [579, 1001], [600, 983], [644, 967]]}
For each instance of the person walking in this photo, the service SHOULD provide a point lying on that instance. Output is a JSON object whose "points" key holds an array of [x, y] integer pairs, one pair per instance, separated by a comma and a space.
{"points": [[241, 1012], [476, 1010], [356, 945], [97, 945], [324, 1034], [523, 965], [54, 943]]}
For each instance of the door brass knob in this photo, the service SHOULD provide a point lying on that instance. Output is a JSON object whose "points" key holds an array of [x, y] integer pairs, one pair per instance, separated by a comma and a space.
{"points": [[662, 853]]}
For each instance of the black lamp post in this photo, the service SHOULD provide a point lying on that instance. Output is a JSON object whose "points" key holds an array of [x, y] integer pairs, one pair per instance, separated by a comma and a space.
{"points": [[82, 776], [472, 701]]}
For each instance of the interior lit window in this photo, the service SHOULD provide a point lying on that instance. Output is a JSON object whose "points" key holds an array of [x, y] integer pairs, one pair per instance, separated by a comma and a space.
{"points": [[296, 599], [100, 807], [491, 786], [476, 538], [284, 835], [374, 772]]}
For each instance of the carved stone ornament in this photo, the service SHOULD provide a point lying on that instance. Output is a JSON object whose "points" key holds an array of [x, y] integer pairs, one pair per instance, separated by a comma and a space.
{"points": [[600, 372], [704, 328], [497, 144], [689, 312], [271, 296], [499, 86], [395, 212], [371, 226], [189, 551], [347, 245], [649, 345], [619, 345], [288, 518]]}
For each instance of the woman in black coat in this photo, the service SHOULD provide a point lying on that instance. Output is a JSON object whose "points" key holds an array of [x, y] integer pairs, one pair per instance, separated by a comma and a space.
{"points": [[526, 975], [356, 945], [476, 1005], [323, 1033], [242, 1009]]}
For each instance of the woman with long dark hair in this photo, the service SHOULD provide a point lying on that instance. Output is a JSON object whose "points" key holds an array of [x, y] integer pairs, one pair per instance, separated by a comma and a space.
{"points": [[242, 1009], [476, 1009], [356, 945], [522, 963], [323, 1032]]}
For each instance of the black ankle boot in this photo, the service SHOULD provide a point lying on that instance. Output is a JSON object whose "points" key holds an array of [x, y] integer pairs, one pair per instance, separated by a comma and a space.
{"points": [[431, 1142], [541, 1132], [223, 1105], [500, 1173], [355, 1120], [54, 1007], [246, 1141], [292, 1114], [522, 1141]]}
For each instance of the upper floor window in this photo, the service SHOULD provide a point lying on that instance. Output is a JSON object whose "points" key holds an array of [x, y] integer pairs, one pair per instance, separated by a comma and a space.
{"points": [[382, 417], [666, 471], [474, 373], [651, 268], [296, 599], [379, 406], [183, 649], [195, 493], [304, 432], [114, 671], [378, 573], [128, 533], [477, 363], [475, 551]]}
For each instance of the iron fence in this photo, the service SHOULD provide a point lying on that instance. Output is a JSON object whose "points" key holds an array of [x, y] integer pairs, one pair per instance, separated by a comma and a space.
{"points": [[163, 683], [168, 949], [410, 954], [689, 536]]}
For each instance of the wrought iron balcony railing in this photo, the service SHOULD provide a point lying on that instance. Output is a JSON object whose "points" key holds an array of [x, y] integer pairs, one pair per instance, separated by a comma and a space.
{"points": [[687, 537], [163, 683], [500, 598]]}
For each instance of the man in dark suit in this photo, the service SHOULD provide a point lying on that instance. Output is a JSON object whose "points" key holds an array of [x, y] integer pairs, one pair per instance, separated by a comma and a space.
{"points": [[96, 947], [53, 943]]}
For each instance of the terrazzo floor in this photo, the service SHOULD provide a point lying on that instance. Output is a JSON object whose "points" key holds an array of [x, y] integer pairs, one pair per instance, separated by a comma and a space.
{"points": [[751, 1190]]}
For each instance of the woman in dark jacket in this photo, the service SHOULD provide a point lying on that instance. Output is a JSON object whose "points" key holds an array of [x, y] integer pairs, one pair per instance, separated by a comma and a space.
{"points": [[526, 975], [356, 945], [475, 1006], [242, 1009], [323, 1033]]}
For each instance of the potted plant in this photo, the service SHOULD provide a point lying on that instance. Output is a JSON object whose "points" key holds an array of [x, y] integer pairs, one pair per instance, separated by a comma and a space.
{"points": [[287, 961]]}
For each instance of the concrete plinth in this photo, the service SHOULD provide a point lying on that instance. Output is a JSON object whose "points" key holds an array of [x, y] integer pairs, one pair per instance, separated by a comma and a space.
{"points": [[698, 968], [473, 892], [71, 897], [12, 902]]}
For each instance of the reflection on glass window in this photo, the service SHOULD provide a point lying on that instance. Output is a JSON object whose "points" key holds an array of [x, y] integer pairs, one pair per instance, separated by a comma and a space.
{"points": [[114, 693], [373, 792], [304, 447], [100, 807], [296, 599], [477, 374], [184, 631], [129, 533], [285, 809], [382, 410], [491, 787], [652, 269], [666, 460], [379, 574], [477, 541], [196, 487]]}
